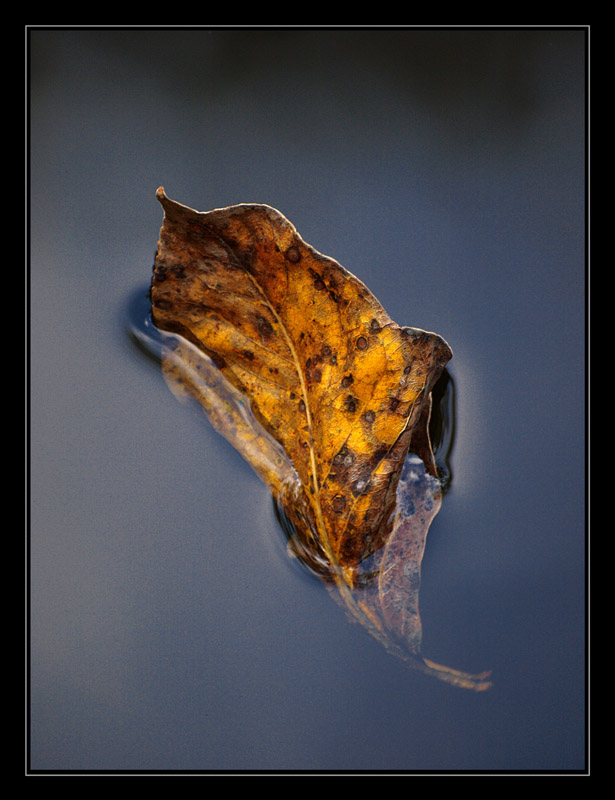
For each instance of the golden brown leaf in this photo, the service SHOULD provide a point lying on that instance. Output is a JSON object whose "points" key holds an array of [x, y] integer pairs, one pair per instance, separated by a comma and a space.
{"points": [[299, 366]]}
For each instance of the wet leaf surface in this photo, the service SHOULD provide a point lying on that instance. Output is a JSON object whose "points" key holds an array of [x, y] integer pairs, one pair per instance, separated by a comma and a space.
{"points": [[298, 365]]}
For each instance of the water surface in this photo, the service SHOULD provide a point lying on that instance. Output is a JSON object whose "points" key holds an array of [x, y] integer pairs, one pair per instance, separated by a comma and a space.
{"points": [[169, 630]]}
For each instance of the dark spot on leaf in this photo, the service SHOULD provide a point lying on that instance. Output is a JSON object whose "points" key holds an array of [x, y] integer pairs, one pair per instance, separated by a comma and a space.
{"points": [[293, 254], [374, 326], [265, 328], [393, 403], [248, 354], [319, 284], [361, 343], [368, 416], [351, 403], [347, 380], [408, 369], [339, 503], [301, 405], [178, 271], [313, 373], [326, 351]]}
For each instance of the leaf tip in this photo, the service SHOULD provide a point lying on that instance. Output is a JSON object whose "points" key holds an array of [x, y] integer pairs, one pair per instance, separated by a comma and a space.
{"points": [[170, 207]]}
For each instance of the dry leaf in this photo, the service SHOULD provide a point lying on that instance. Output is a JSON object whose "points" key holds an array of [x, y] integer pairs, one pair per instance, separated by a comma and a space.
{"points": [[298, 365]]}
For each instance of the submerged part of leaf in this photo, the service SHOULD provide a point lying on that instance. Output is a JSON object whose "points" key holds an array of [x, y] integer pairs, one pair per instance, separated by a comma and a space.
{"points": [[298, 365]]}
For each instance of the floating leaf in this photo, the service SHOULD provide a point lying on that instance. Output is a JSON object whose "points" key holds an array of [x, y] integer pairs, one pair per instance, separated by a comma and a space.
{"points": [[297, 364]]}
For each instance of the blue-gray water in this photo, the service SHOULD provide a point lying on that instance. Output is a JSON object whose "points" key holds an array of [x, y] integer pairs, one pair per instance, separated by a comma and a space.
{"points": [[168, 629]]}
